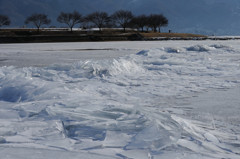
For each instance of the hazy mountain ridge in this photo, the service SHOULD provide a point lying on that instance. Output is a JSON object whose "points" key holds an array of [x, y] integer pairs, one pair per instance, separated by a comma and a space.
{"points": [[201, 16]]}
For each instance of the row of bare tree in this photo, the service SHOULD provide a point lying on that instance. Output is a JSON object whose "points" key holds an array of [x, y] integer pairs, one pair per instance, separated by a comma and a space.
{"points": [[122, 18]]}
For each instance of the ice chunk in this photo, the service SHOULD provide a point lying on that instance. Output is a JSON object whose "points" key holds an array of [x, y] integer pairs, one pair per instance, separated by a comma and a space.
{"points": [[211, 138], [2, 140], [116, 139], [154, 137], [12, 94]]}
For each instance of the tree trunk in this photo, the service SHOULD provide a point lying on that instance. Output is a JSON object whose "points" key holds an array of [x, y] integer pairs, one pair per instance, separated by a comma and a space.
{"points": [[155, 29], [159, 30]]}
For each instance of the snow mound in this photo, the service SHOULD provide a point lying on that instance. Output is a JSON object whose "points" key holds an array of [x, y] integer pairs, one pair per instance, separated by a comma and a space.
{"points": [[223, 47], [143, 52], [172, 50], [199, 48], [123, 66], [220, 46]]}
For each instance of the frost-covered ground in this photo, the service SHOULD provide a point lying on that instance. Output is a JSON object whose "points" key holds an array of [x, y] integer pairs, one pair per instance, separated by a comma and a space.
{"points": [[141, 100]]}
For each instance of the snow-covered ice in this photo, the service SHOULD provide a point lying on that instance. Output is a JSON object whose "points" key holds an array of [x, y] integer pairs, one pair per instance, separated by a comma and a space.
{"points": [[141, 100]]}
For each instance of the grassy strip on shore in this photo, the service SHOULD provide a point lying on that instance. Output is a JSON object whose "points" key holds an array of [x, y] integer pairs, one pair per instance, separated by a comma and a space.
{"points": [[170, 35], [63, 35]]}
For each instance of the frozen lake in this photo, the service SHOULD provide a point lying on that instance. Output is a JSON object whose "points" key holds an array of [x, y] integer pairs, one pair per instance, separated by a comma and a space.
{"points": [[143, 100], [44, 54]]}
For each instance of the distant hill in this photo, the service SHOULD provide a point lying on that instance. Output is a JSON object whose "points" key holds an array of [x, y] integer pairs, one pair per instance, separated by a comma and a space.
{"points": [[219, 17]]}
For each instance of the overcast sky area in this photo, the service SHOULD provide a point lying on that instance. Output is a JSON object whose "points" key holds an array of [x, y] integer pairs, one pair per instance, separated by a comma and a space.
{"points": [[210, 17]]}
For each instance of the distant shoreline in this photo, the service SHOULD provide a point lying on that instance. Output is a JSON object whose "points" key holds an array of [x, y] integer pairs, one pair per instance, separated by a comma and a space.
{"points": [[63, 35]]}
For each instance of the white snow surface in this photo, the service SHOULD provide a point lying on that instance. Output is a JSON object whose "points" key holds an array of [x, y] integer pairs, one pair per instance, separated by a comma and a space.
{"points": [[140, 100]]}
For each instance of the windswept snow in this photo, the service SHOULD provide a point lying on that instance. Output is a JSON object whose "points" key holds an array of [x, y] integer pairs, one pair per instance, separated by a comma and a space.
{"points": [[143, 100]]}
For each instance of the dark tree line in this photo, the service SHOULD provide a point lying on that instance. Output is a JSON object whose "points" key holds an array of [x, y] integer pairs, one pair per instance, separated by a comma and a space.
{"points": [[122, 19]]}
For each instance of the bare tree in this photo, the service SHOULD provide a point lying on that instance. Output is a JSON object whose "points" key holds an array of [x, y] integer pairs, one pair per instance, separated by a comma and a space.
{"points": [[140, 22], [71, 19], [99, 19], [4, 20], [157, 21], [38, 20], [153, 22], [163, 22], [122, 18]]}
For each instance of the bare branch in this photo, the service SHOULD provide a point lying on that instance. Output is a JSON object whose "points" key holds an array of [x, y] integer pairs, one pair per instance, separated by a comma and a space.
{"points": [[4, 20], [71, 19], [38, 20], [122, 18], [99, 19]]}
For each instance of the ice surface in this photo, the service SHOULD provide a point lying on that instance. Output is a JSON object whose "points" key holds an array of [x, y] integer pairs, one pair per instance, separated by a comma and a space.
{"points": [[168, 99]]}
